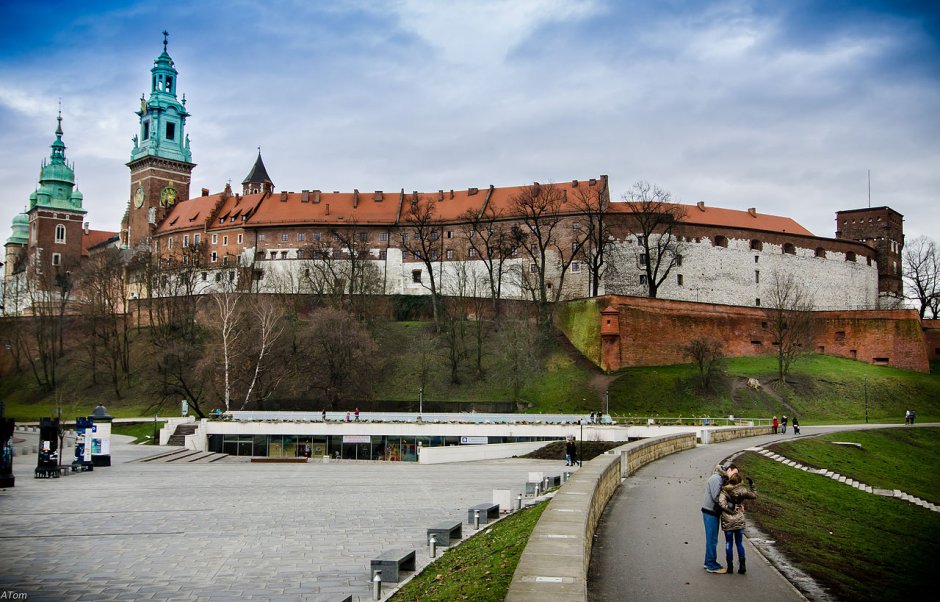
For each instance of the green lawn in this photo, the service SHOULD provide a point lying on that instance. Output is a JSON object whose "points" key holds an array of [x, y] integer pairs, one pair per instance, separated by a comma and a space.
{"points": [[143, 432], [480, 568], [860, 546]]}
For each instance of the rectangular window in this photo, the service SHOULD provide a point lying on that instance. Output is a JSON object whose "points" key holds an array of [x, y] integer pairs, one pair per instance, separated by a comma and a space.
{"points": [[533, 268], [416, 276], [198, 238], [472, 252], [756, 276], [757, 259], [643, 279], [757, 302], [575, 266], [60, 233], [383, 236], [261, 236], [186, 240], [171, 131], [574, 246], [435, 234], [678, 261], [316, 236], [215, 239], [450, 234], [240, 239], [382, 254], [434, 255], [301, 236], [225, 240], [204, 276], [642, 258], [363, 236], [450, 253], [679, 279], [225, 260], [285, 237], [283, 254], [56, 259], [214, 257], [146, 135], [169, 243], [639, 240]]}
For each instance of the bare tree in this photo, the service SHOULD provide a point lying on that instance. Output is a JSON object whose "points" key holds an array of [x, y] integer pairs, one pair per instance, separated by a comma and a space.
{"points": [[343, 354], [490, 241], [654, 223], [708, 355], [421, 237], [593, 201], [790, 320], [549, 246], [226, 318], [266, 324], [518, 344], [921, 269]]}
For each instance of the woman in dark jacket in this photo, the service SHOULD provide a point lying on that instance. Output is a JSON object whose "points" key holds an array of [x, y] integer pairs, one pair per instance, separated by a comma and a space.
{"points": [[731, 499]]}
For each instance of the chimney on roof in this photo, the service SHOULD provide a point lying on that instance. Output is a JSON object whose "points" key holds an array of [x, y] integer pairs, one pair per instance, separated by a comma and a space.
{"points": [[700, 205], [592, 181], [85, 227], [472, 191], [227, 192], [304, 196], [536, 188], [205, 192], [237, 198], [752, 211], [414, 197], [316, 196], [355, 197], [283, 196], [451, 193], [440, 195], [574, 183], [378, 196]]}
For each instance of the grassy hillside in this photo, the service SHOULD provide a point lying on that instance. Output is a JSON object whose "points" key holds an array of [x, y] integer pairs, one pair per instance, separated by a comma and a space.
{"points": [[559, 380]]}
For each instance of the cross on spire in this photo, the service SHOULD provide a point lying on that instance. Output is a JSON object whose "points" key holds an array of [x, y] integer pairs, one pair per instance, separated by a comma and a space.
{"points": [[165, 34]]}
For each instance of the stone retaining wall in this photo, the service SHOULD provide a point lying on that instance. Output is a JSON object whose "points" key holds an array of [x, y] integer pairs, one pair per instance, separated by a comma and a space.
{"points": [[727, 434], [554, 564]]}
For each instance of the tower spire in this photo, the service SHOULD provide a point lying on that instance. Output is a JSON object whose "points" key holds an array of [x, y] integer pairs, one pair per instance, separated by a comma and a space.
{"points": [[165, 35]]}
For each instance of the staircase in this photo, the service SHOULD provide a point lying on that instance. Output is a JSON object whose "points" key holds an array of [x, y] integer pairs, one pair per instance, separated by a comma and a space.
{"points": [[178, 437]]}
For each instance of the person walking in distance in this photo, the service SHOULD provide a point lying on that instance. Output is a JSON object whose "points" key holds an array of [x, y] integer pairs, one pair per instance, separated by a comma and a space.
{"points": [[783, 424], [731, 499], [775, 424], [796, 425], [357, 416], [711, 512], [570, 452]]}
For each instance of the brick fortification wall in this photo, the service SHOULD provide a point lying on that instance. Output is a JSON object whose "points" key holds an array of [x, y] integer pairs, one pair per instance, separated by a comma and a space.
{"points": [[932, 334], [652, 332]]}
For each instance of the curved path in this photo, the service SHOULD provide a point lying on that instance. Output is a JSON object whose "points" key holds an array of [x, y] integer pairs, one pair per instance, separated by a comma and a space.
{"points": [[650, 541]]}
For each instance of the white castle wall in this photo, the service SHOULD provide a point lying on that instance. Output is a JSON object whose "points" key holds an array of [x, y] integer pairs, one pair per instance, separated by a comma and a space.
{"points": [[726, 275]]}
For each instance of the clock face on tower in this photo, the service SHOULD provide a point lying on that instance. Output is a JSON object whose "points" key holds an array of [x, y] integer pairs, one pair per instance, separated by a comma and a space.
{"points": [[139, 197], [168, 195]]}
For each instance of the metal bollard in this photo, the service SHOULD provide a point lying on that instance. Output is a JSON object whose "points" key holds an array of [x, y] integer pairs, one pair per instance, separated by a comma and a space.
{"points": [[476, 520], [433, 543], [519, 502], [376, 585]]}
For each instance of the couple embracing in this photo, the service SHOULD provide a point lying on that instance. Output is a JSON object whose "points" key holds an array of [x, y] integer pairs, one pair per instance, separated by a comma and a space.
{"points": [[723, 507]]}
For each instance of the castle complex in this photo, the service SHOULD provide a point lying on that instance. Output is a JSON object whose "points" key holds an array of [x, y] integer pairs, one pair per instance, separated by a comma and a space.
{"points": [[408, 241]]}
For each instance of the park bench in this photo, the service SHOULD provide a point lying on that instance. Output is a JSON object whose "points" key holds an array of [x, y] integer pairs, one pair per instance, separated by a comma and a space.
{"points": [[392, 562], [453, 530], [487, 511]]}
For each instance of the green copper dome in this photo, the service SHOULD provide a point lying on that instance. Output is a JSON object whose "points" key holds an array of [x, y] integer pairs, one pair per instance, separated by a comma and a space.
{"points": [[162, 115], [20, 234], [56, 180]]}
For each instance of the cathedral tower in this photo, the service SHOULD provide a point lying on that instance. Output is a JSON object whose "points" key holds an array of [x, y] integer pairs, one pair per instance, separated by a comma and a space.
{"points": [[883, 229], [55, 215], [161, 163]]}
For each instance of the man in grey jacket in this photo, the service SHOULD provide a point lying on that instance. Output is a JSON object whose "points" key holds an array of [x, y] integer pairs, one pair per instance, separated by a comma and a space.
{"points": [[711, 515]]}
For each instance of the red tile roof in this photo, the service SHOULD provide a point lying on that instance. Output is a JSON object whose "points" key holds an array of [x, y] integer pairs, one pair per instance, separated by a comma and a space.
{"points": [[93, 238], [700, 214]]}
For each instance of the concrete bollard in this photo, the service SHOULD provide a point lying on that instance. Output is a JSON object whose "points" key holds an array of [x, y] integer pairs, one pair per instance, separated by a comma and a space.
{"points": [[376, 585], [476, 520], [433, 544], [519, 502]]}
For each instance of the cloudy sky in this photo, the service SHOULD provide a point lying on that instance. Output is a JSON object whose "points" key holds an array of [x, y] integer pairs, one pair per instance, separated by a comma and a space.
{"points": [[782, 106]]}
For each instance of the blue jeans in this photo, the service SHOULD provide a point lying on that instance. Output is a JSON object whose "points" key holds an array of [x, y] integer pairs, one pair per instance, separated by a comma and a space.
{"points": [[711, 541], [734, 538]]}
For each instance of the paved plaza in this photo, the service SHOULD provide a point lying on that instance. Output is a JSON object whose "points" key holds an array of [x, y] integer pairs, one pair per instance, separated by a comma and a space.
{"points": [[231, 530]]}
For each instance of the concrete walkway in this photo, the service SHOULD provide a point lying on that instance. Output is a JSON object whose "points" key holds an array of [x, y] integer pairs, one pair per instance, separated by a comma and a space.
{"points": [[650, 542]]}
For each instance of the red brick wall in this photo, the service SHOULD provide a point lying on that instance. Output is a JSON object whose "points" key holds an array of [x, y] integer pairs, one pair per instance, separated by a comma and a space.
{"points": [[932, 335], [653, 332]]}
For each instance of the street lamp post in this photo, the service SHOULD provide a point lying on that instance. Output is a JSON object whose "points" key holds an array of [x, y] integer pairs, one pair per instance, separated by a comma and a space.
{"points": [[420, 400], [866, 399], [607, 401], [581, 442]]}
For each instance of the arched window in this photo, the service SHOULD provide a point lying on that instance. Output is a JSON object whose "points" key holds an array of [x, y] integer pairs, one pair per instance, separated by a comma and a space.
{"points": [[60, 233], [757, 245], [789, 249], [820, 252], [850, 256], [721, 241]]}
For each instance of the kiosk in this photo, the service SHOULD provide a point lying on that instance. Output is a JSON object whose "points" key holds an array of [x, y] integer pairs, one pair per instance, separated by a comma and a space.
{"points": [[48, 463], [101, 437], [83, 435]]}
